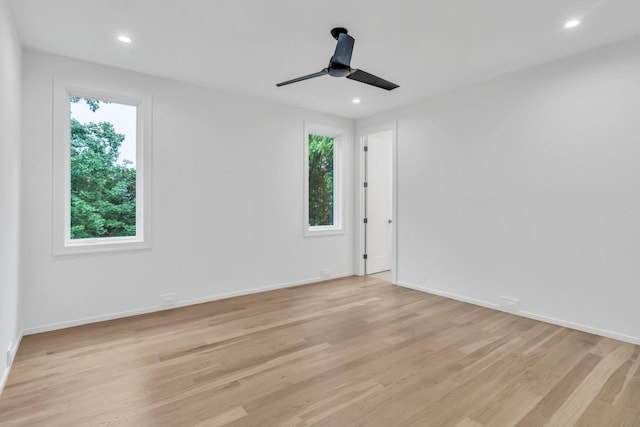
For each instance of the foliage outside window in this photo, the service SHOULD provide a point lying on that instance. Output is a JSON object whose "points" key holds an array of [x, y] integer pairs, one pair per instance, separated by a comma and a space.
{"points": [[323, 176], [103, 182], [101, 168], [321, 166]]}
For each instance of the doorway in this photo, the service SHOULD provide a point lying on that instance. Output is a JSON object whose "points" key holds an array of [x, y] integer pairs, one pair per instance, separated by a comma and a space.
{"points": [[377, 213]]}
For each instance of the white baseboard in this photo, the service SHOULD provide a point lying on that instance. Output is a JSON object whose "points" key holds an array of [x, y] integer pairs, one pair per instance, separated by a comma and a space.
{"points": [[530, 315], [450, 296], [184, 303], [580, 327], [7, 370]]}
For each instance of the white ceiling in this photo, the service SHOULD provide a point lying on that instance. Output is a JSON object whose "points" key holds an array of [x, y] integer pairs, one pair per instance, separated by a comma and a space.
{"points": [[425, 46]]}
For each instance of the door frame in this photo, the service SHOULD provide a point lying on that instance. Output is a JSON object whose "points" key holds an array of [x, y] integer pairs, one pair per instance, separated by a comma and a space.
{"points": [[361, 135]]}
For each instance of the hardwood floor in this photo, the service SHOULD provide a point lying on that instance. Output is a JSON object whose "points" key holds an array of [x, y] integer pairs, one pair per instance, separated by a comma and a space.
{"points": [[383, 275], [348, 352]]}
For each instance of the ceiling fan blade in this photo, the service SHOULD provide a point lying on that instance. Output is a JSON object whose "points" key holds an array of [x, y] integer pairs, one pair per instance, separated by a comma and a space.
{"points": [[370, 79], [344, 49], [307, 77]]}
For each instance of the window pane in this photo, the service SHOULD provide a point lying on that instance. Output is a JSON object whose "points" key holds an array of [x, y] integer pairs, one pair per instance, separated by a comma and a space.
{"points": [[321, 180], [103, 169]]}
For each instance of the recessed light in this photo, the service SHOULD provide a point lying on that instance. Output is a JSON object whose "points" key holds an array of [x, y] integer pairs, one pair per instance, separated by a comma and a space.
{"points": [[572, 24], [356, 100], [124, 39]]}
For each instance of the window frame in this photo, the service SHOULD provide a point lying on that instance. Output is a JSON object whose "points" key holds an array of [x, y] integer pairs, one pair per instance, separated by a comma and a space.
{"points": [[338, 136], [62, 242]]}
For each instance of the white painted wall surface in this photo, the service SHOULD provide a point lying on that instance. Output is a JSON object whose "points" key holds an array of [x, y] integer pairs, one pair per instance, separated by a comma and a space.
{"points": [[10, 78], [529, 187], [227, 202]]}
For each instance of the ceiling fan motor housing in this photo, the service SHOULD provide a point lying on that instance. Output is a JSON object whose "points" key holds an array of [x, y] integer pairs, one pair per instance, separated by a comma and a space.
{"points": [[338, 70]]}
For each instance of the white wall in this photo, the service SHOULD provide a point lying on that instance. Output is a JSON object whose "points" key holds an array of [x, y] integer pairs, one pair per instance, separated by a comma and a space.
{"points": [[528, 186], [227, 202], [10, 64]]}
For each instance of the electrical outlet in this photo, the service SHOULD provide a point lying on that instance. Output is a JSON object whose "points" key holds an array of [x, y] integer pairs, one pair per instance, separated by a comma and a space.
{"points": [[167, 300], [11, 355], [325, 273], [510, 304]]}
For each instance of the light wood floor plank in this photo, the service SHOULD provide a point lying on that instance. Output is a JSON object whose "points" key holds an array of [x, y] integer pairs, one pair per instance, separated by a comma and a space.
{"points": [[350, 352]]}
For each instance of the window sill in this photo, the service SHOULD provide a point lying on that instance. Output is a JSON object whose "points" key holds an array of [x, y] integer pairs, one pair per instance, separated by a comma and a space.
{"points": [[92, 246], [323, 231]]}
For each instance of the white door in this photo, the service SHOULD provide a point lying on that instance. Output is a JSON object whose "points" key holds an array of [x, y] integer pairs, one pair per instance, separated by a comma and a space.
{"points": [[379, 202]]}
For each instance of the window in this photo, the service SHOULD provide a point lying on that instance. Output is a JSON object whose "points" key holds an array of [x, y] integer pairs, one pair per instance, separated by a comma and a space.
{"points": [[101, 170], [323, 181]]}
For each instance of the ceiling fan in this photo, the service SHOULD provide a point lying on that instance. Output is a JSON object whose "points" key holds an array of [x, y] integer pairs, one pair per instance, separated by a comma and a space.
{"points": [[340, 65]]}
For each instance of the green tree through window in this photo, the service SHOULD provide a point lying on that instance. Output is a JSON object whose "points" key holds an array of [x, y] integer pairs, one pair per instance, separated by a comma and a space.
{"points": [[103, 192], [321, 167]]}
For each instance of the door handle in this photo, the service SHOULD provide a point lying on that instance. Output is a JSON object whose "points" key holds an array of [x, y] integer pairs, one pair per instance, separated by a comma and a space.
{"points": [[389, 221]]}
